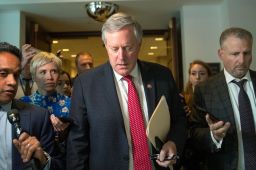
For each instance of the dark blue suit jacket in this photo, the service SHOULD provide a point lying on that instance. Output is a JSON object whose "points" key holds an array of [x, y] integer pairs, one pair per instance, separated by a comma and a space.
{"points": [[97, 139], [213, 95], [35, 121]]}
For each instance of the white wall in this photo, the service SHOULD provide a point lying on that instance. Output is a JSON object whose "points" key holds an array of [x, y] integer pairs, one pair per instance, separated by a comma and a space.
{"points": [[202, 25], [12, 27], [242, 13]]}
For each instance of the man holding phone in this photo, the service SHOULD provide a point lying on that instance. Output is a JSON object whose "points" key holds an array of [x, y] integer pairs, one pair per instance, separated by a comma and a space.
{"points": [[229, 141]]}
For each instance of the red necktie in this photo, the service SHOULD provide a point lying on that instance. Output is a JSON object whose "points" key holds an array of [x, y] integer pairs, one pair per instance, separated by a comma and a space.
{"points": [[140, 148]]}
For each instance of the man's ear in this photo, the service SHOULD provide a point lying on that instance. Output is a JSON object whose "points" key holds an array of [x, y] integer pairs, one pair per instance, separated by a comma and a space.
{"points": [[220, 53]]}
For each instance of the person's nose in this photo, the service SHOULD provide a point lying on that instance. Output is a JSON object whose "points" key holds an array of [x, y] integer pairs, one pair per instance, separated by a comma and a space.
{"points": [[48, 76], [241, 58], [121, 53], [88, 66], [11, 80], [197, 76]]}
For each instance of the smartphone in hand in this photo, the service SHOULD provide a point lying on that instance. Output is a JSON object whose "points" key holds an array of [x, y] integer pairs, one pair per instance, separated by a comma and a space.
{"points": [[212, 117]]}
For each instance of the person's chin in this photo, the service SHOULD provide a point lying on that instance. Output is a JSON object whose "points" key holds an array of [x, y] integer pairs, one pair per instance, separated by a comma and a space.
{"points": [[4, 99], [123, 71], [50, 89], [241, 72]]}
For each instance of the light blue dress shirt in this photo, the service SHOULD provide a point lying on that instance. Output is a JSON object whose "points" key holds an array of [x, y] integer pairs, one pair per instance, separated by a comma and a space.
{"points": [[5, 139]]}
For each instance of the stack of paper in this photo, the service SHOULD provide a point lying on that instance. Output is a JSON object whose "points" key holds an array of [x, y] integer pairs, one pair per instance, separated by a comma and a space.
{"points": [[159, 123]]}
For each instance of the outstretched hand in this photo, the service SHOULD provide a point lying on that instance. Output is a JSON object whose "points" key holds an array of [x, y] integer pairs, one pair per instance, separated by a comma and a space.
{"points": [[219, 129]]}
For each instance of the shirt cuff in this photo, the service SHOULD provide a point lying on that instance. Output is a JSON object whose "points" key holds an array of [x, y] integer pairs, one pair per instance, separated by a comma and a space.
{"points": [[218, 144], [48, 163]]}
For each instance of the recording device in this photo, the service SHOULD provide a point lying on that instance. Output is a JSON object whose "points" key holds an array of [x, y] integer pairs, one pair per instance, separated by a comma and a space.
{"points": [[14, 119], [212, 117]]}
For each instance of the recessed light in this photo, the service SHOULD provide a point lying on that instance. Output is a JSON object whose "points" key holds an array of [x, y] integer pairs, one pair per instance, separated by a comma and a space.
{"points": [[159, 39], [55, 42], [65, 49], [153, 47], [150, 53], [73, 55]]}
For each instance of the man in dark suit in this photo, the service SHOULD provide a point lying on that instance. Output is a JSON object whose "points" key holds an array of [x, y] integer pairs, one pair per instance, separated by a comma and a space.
{"points": [[101, 136], [223, 139], [36, 140]]}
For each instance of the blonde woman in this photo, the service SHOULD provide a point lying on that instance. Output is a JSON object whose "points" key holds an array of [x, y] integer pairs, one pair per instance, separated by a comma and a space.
{"points": [[45, 69]]}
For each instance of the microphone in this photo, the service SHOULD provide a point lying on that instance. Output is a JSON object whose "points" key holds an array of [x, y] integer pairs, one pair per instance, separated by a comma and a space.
{"points": [[14, 119]]}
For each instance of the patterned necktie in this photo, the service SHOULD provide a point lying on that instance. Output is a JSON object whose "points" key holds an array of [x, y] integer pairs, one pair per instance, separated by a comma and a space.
{"points": [[140, 148], [247, 126]]}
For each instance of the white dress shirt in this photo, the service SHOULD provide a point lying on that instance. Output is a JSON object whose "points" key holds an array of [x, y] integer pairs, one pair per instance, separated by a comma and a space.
{"points": [[233, 90], [233, 93], [122, 92], [5, 139]]}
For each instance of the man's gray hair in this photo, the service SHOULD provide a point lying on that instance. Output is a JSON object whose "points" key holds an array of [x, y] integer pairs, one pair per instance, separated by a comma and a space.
{"points": [[236, 32], [117, 22]]}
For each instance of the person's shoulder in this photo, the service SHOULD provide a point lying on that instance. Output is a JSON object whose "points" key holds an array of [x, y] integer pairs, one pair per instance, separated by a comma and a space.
{"points": [[153, 67], [253, 73], [23, 106], [213, 81]]}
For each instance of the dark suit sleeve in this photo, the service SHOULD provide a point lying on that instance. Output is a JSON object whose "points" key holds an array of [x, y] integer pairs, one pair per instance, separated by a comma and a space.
{"points": [[78, 139], [199, 130], [36, 122]]}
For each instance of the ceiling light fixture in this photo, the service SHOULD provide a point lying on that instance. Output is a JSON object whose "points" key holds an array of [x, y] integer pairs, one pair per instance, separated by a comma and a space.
{"points": [[159, 39], [153, 47], [100, 10]]}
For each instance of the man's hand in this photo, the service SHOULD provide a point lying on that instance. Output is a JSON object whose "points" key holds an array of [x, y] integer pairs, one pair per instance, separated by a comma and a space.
{"points": [[168, 150], [28, 52], [29, 147], [219, 129]]}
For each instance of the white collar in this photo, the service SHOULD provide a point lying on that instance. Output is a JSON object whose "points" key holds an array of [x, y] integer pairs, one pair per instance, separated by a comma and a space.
{"points": [[230, 78]]}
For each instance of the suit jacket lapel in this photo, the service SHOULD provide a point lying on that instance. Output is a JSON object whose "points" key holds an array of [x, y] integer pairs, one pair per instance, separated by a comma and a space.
{"points": [[24, 123], [24, 115], [253, 77], [149, 87], [222, 90], [111, 93]]}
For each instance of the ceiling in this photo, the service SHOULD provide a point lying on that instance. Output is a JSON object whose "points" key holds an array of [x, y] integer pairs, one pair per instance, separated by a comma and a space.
{"points": [[70, 15], [57, 16]]}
